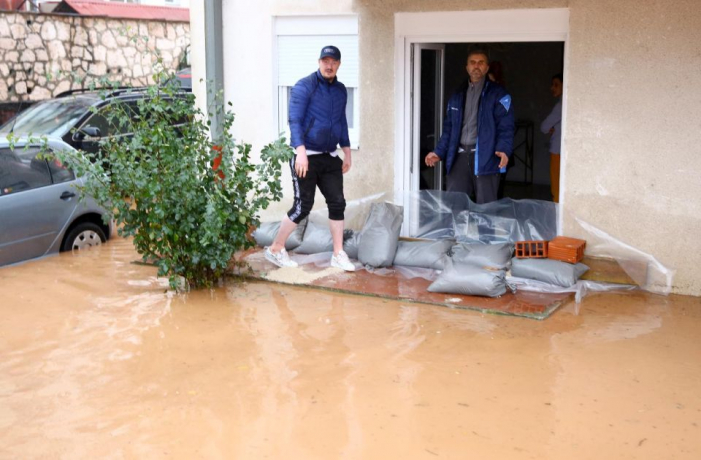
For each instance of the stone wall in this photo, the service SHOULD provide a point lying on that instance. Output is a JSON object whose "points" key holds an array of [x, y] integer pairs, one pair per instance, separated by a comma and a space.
{"points": [[42, 55]]}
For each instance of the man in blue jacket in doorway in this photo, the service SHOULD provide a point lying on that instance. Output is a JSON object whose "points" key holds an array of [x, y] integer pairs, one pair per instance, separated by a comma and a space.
{"points": [[478, 134], [318, 125]]}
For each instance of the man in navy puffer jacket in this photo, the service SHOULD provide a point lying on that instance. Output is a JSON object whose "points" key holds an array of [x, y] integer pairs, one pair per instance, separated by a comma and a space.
{"points": [[318, 125], [478, 134]]}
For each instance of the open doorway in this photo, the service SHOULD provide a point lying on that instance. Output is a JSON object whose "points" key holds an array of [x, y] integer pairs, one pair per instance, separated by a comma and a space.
{"points": [[525, 69]]}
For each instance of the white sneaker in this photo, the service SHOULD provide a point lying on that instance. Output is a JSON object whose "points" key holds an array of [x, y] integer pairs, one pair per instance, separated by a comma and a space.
{"points": [[281, 259], [341, 261]]}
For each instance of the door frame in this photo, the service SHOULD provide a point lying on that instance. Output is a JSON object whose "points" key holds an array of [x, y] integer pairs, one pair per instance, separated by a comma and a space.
{"points": [[416, 84], [518, 25]]}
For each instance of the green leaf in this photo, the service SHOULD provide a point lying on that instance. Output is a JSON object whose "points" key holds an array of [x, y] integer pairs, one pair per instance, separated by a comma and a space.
{"points": [[162, 189]]}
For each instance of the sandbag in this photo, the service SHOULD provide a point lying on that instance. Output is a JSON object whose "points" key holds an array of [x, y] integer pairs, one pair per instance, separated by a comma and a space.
{"points": [[483, 255], [425, 254], [469, 280], [266, 233], [380, 235], [548, 270], [351, 240], [317, 238]]}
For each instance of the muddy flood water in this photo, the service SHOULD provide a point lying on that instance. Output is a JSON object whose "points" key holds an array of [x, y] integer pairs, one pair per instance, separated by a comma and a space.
{"points": [[99, 360]]}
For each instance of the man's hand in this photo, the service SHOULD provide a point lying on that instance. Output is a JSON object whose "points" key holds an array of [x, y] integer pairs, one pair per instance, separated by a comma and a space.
{"points": [[504, 159], [346, 159], [301, 161], [432, 159]]}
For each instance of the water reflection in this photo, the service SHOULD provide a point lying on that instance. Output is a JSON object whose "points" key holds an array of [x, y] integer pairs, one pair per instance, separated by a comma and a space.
{"points": [[99, 360]]}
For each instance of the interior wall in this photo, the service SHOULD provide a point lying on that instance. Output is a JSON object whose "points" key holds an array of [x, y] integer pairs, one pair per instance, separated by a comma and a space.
{"points": [[527, 72]]}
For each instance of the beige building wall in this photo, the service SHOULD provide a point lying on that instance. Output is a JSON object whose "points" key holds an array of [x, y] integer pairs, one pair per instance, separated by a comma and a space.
{"points": [[633, 120]]}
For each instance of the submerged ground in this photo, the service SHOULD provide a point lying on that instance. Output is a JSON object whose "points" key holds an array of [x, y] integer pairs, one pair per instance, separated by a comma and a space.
{"points": [[98, 360]]}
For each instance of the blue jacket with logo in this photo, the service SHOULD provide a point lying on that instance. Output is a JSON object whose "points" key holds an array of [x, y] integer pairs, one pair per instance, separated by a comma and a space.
{"points": [[317, 114], [495, 128]]}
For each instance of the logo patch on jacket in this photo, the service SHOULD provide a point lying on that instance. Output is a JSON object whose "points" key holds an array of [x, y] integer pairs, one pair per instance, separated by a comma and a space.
{"points": [[506, 102]]}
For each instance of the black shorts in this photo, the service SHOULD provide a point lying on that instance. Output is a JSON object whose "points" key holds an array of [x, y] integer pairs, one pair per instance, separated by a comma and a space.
{"points": [[324, 171]]}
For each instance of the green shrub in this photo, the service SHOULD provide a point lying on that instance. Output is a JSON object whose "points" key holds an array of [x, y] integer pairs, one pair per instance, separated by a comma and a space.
{"points": [[163, 191]]}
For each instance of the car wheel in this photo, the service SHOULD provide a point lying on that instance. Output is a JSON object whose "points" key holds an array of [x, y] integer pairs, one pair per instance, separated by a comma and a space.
{"points": [[84, 236]]}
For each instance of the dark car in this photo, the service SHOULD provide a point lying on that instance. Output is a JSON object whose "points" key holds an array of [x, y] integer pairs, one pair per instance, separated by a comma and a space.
{"points": [[40, 209], [79, 118], [184, 77]]}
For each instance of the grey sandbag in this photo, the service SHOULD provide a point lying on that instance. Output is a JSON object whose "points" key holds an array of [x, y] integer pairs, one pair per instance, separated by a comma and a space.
{"points": [[266, 233], [469, 280], [426, 254], [483, 255], [548, 271], [380, 235], [351, 240], [317, 238]]}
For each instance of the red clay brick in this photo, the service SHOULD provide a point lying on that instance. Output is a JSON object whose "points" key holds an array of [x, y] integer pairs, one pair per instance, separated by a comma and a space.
{"points": [[566, 249], [531, 249]]}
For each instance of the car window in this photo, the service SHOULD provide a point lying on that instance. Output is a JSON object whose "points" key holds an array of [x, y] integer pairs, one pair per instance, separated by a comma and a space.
{"points": [[59, 173], [21, 170], [110, 119], [99, 121], [119, 123], [169, 112], [182, 119], [53, 117]]}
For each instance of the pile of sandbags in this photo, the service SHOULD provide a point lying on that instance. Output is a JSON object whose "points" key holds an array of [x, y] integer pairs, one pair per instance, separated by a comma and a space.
{"points": [[266, 233], [374, 246], [469, 269]]}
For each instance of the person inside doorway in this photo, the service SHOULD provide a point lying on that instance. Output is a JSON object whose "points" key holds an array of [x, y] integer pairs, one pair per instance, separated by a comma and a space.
{"points": [[552, 125], [478, 133]]}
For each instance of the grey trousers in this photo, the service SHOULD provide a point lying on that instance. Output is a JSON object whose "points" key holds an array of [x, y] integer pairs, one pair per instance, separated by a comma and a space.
{"points": [[481, 189]]}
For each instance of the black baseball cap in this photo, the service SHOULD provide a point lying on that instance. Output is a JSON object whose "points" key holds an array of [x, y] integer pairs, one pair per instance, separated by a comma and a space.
{"points": [[330, 51]]}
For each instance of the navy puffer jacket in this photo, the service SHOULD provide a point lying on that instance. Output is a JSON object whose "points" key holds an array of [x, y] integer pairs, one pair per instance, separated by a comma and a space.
{"points": [[495, 128], [317, 114]]}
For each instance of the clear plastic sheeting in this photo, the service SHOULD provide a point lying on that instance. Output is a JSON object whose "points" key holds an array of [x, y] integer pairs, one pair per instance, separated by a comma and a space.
{"points": [[643, 268], [580, 288], [432, 214], [417, 272], [323, 260], [507, 221]]}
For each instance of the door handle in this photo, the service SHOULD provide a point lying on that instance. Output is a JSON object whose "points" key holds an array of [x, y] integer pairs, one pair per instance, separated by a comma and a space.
{"points": [[67, 196]]}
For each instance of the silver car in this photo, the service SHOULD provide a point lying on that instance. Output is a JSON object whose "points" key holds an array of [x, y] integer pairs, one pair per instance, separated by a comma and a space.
{"points": [[40, 210]]}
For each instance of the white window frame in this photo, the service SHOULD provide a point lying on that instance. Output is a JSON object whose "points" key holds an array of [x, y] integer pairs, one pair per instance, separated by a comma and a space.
{"points": [[346, 24]]}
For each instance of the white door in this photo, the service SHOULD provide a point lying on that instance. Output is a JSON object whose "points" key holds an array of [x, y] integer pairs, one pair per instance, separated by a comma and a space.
{"points": [[425, 123], [426, 113]]}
